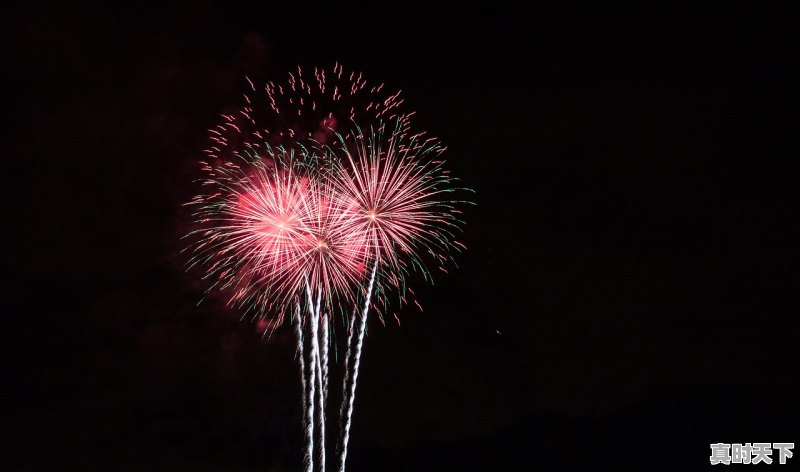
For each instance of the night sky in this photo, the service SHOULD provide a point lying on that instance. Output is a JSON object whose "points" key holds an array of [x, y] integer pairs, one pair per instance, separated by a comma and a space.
{"points": [[631, 255]]}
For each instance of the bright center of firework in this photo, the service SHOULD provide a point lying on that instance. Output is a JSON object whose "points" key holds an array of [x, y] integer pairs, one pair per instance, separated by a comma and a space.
{"points": [[322, 245], [282, 222], [276, 224], [372, 215]]}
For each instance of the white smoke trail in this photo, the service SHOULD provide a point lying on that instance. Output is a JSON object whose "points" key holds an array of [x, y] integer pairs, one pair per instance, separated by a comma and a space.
{"points": [[356, 362], [320, 394], [345, 383], [325, 340], [307, 425], [310, 412], [312, 376]]}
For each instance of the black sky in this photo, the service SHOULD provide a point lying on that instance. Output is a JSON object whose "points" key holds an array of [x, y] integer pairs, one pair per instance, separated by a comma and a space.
{"points": [[625, 295]]}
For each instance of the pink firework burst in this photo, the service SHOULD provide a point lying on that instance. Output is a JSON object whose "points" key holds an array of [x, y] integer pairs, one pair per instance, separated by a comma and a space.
{"points": [[400, 199], [269, 226]]}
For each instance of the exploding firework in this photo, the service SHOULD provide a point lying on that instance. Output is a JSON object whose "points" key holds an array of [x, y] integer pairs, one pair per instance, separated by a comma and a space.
{"points": [[400, 198], [311, 203], [267, 229]]}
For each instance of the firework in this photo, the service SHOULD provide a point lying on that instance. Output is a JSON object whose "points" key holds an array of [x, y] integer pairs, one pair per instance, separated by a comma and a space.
{"points": [[398, 197], [311, 203]]}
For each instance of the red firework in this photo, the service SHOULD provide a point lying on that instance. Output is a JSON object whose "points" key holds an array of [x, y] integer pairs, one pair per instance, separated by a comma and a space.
{"points": [[400, 198], [300, 198], [270, 229]]}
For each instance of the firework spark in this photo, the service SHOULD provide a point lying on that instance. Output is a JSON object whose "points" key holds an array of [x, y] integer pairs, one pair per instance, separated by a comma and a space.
{"points": [[310, 105]]}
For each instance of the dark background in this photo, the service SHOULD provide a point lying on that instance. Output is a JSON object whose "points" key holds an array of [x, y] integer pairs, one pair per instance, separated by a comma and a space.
{"points": [[624, 298]]}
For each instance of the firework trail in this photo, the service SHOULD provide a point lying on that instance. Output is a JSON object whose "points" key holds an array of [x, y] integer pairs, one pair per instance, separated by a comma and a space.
{"points": [[307, 425], [310, 411], [351, 394], [315, 347], [325, 340], [299, 197], [323, 377], [346, 381]]}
